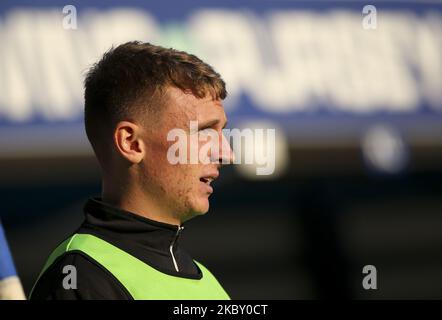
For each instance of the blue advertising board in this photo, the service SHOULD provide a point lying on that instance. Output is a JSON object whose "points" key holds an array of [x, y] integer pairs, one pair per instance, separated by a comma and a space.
{"points": [[314, 68]]}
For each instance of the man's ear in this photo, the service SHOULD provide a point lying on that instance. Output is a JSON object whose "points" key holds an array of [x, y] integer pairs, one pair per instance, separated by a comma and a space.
{"points": [[129, 142]]}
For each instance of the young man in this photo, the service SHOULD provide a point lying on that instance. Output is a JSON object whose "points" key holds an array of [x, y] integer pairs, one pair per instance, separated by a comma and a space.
{"points": [[128, 245]]}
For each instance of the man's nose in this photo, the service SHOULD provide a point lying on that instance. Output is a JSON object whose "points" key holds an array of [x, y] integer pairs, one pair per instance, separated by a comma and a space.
{"points": [[222, 153], [226, 154]]}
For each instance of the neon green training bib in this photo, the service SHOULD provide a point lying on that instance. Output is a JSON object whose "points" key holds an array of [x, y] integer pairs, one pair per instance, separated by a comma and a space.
{"points": [[142, 281]]}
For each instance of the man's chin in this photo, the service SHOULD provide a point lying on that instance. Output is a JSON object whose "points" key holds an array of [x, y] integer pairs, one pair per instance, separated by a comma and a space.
{"points": [[196, 211], [197, 207], [201, 207], [202, 211]]}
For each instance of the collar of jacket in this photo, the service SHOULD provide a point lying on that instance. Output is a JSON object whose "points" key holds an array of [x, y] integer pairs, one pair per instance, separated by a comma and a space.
{"points": [[139, 230]]}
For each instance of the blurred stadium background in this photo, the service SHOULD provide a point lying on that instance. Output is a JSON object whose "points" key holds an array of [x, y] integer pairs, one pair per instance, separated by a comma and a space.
{"points": [[358, 113]]}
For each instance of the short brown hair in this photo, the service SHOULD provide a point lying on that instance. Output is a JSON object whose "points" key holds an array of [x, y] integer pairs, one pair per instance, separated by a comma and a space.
{"points": [[131, 79]]}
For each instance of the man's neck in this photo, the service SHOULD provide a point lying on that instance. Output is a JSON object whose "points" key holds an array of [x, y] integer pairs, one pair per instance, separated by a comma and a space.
{"points": [[140, 205]]}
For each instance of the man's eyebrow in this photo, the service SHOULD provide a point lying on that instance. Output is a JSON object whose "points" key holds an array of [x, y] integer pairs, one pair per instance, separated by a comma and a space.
{"points": [[210, 123]]}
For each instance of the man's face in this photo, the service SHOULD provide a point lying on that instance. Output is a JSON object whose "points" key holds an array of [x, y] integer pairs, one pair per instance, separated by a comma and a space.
{"points": [[184, 189]]}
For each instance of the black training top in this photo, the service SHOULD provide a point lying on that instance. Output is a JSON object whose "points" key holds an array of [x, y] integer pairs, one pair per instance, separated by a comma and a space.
{"points": [[154, 243]]}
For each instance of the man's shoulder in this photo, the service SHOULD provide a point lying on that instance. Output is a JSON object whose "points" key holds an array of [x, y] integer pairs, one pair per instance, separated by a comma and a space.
{"points": [[76, 276]]}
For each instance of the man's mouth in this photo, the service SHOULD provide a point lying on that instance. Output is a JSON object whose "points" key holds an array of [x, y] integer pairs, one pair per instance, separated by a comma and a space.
{"points": [[207, 180]]}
